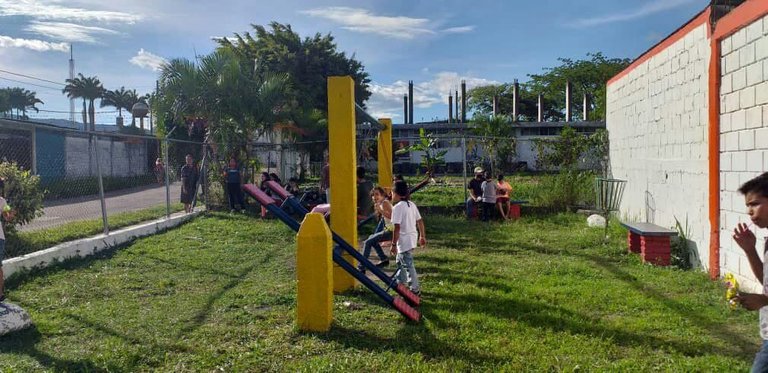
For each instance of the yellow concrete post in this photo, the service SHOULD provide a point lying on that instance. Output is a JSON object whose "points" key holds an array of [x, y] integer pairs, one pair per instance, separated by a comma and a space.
{"points": [[385, 154], [314, 302], [342, 162]]}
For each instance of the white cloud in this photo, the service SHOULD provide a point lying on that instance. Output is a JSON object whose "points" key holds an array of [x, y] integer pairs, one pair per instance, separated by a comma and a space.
{"points": [[48, 10], [147, 60], [647, 9], [33, 44], [68, 31], [459, 30], [387, 99], [362, 20]]}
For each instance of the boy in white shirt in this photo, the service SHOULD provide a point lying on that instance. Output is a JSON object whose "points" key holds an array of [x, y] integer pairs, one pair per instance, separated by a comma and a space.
{"points": [[409, 229]]}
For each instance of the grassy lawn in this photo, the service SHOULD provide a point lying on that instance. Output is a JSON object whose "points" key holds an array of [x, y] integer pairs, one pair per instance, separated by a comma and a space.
{"points": [[219, 293], [29, 242]]}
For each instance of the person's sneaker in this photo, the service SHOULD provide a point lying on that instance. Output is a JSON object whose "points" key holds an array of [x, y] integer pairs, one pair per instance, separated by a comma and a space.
{"points": [[416, 292], [383, 263]]}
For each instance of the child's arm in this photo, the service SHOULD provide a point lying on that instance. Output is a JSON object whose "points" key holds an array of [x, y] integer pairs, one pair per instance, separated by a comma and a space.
{"points": [[395, 237], [386, 209], [422, 233], [746, 240]]}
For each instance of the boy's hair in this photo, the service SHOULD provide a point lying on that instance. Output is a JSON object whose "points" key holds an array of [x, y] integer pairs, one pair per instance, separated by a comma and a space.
{"points": [[501, 177], [360, 172], [757, 185], [401, 188]]}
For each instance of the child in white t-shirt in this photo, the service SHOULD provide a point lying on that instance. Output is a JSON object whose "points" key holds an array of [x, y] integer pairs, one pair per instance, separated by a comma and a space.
{"points": [[489, 196], [409, 230]]}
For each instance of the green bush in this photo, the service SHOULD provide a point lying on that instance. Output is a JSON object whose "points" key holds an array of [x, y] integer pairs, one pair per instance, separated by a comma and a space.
{"points": [[23, 193], [566, 189]]}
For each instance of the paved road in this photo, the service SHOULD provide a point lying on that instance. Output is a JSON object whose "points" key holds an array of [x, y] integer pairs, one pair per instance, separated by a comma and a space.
{"points": [[65, 211]]}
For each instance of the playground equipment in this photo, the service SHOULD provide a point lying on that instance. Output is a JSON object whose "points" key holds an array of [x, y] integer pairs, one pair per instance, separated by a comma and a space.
{"points": [[609, 193], [399, 304]]}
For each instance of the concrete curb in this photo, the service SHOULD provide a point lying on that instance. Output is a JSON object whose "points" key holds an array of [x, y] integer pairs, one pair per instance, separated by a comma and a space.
{"points": [[88, 246]]}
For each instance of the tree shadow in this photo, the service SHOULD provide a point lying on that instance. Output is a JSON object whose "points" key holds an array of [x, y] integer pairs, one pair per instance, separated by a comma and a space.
{"points": [[25, 342]]}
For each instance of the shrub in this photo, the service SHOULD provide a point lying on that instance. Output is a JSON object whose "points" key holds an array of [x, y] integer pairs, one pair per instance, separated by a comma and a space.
{"points": [[23, 193], [566, 189]]}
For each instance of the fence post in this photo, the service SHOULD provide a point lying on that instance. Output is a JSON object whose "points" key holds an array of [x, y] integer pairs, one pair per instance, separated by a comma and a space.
{"points": [[101, 184], [314, 275], [167, 183], [464, 163]]}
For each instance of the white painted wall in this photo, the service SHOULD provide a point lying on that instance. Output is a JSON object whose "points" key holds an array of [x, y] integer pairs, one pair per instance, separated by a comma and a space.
{"points": [[117, 158], [657, 120], [743, 136]]}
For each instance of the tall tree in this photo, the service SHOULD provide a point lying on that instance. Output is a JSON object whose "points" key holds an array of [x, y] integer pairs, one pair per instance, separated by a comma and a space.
{"points": [[587, 76], [5, 104], [87, 88], [21, 100], [118, 99], [308, 62], [480, 101], [132, 98]]}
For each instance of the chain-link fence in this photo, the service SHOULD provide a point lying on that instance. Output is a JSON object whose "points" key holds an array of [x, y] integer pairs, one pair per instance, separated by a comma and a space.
{"points": [[92, 182]]}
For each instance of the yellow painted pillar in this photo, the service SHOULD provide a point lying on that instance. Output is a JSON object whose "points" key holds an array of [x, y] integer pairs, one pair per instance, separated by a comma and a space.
{"points": [[385, 154], [342, 161], [314, 302]]}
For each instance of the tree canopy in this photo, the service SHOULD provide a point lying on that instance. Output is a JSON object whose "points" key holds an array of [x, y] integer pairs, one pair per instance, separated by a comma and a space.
{"points": [[308, 62], [587, 76]]}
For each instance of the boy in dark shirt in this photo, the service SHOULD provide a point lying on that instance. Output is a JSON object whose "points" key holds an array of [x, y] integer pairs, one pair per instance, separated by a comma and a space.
{"points": [[475, 192], [234, 179]]}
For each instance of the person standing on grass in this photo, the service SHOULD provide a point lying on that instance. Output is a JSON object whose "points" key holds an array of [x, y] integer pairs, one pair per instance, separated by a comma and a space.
{"points": [[383, 210], [188, 183], [7, 215], [475, 192], [489, 196], [234, 179], [503, 193], [755, 193], [408, 230]]}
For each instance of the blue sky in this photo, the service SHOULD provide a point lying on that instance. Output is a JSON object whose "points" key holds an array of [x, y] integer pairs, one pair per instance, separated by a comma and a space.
{"points": [[433, 43]]}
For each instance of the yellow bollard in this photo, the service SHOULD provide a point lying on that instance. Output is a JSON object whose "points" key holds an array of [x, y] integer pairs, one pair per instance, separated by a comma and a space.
{"points": [[314, 303], [342, 161], [385, 154]]}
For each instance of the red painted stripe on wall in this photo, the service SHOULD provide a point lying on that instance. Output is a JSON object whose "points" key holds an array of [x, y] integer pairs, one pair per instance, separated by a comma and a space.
{"points": [[698, 20], [744, 15]]}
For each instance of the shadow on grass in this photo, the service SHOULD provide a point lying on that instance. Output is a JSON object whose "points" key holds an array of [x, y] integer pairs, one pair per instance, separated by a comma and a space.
{"points": [[25, 343]]}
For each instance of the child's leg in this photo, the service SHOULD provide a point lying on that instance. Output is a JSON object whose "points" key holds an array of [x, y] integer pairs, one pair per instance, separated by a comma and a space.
{"points": [[402, 277], [413, 277]]}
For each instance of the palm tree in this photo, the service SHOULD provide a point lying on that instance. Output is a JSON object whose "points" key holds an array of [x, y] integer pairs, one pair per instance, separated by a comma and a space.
{"points": [[87, 88], [118, 99], [5, 104], [30, 101]]}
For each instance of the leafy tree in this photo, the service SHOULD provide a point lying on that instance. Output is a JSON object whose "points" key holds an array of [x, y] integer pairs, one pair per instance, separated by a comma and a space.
{"points": [[21, 100], [497, 139], [587, 76], [89, 89], [308, 62], [481, 102], [5, 104], [223, 95], [133, 98]]}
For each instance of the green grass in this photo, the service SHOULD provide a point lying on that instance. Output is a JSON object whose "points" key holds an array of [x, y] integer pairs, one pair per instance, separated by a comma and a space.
{"points": [[218, 293], [449, 190], [28, 242]]}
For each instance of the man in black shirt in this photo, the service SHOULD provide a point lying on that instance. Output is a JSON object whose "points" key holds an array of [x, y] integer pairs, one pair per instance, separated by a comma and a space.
{"points": [[364, 188], [475, 192]]}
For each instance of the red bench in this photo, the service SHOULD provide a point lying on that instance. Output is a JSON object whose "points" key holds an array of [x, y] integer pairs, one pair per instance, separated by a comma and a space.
{"points": [[651, 241]]}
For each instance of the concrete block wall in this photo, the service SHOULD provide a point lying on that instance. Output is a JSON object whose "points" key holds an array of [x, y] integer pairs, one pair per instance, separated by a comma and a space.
{"points": [[117, 158], [743, 136], [657, 120]]}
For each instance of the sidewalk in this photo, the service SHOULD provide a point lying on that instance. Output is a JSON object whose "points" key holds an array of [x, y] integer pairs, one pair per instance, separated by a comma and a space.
{"points": [[86, 208]]}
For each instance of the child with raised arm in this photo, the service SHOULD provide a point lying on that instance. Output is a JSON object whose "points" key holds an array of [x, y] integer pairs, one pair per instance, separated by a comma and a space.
{"points": [[408, 230], [383, 209], [755, 193]]}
